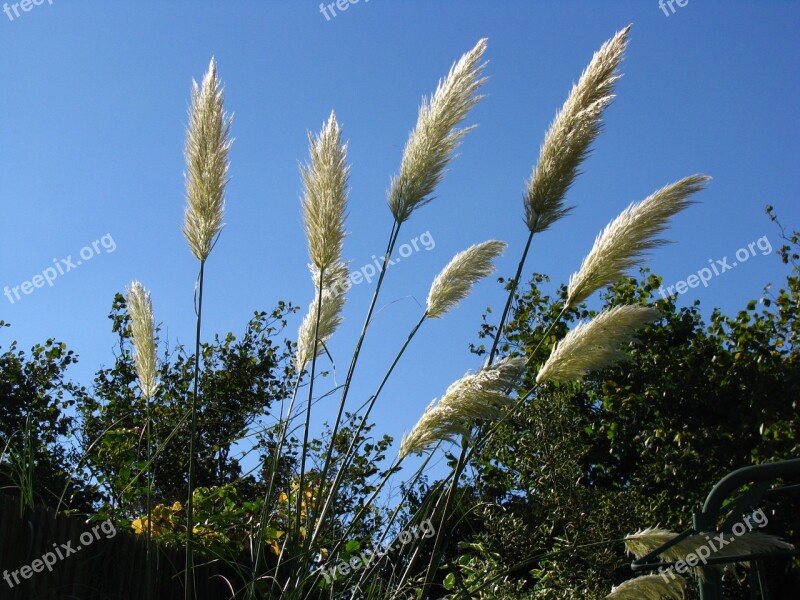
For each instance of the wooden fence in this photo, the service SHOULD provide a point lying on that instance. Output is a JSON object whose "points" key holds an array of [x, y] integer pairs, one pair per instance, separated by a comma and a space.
{"points": [[44, 556]]}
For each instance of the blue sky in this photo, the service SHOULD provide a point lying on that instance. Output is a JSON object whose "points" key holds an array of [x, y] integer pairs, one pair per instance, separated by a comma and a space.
{"points": [[92, 115]]}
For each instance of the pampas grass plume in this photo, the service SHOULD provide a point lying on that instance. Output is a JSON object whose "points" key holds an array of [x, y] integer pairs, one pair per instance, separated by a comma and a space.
{"points": [[575, 127], [431, 145], [645, 541], [325, 200], [595, 344], [140, 309], [334, 286], [621, 244], [649, 587], [481, 395], [207, 145], [455, 281]]}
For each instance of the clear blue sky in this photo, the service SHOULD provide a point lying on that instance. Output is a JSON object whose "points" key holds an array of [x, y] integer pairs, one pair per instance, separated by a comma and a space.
{"points": [[92, 115]]}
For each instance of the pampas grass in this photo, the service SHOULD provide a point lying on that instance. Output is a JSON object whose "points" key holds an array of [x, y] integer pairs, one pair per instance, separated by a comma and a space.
{"points": [[755, 542], [573, 130], [332, 299], [431, 145], [140, 309], [324, 203], [207, 145], [481, 395], [622, 243], [470, 402], [455, 281], [645, 541], [595, 344], [649, 587], [324, 206]]}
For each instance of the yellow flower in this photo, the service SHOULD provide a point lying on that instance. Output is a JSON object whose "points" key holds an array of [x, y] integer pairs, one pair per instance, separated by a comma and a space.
{"points": [[138, 526]]}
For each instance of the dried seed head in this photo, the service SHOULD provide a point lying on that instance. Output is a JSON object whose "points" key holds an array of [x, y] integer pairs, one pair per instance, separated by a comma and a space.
{"points": [[482, 395], [622, 243], [455, 281], [140, 309], [431, 145], [596, 344], [207, 145], [567, 142], [325, 200]]}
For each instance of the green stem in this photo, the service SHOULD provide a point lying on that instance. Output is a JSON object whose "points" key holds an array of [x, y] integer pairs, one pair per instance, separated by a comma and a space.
{"points": [[433, 565], [348, 380], [509, 300], [350, 454], [304, 453], [189, 595], [149, 570], [259, 544]]}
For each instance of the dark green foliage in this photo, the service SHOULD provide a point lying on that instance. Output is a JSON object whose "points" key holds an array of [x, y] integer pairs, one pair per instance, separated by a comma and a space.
{"points": [[36, 449], [636, 445]]}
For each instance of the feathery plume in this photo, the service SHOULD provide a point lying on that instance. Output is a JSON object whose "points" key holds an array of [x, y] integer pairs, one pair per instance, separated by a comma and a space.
{"points": [[334, 285], [324, 203], [206, 151], [140, 309], [481, 395], [754, 542], [645, 541], [455, 281], [575, 127], [649, 587], [621, 244], [431, 145], [595, 344]]}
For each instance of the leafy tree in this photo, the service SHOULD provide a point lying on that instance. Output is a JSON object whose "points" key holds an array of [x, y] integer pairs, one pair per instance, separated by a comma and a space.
{"points": [[36, 454], [576, 468], [240, 381]]}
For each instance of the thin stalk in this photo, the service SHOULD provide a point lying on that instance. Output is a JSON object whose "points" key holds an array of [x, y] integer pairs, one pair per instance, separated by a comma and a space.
{"points": [[465, 456], [348, 380], [433, 565], [465, 444], [418, 549], [300, 490], [189, 595], [366, 573], [149, 569], [366, 505], [509, 301], [350, 454], [273, 474]]}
